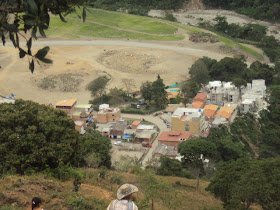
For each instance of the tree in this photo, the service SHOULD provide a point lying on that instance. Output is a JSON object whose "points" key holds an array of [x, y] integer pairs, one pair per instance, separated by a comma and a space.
{"points": [[97, 86], [93, 143], [241, 183], [17, 17], [194, 151], [171, 167], [147, 90], [189, 91], [159, 93], [36, 137], [199, 73]]}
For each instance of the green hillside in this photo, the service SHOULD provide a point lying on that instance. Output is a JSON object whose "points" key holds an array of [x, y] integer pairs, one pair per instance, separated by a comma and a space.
{"points": [[96, 193]]}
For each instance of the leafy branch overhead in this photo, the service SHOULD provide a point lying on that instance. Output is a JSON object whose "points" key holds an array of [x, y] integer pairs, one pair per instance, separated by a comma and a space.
{"points": [[27, 18]]}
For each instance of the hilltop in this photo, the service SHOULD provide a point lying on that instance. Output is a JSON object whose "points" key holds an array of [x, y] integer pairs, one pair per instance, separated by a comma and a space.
{"points": [[96, 193]]}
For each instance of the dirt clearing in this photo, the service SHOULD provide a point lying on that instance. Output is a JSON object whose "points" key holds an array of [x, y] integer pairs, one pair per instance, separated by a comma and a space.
{"points": [[75, 66]]}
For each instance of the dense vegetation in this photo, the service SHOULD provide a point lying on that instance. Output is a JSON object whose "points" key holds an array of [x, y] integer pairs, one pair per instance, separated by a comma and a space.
{"points": [[36, 138], [230, 69], [257, 9], [256, 34], [137, 7]]}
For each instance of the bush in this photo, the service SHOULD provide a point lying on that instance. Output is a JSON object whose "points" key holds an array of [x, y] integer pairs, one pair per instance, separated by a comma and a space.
{"points": [[170, 17]]}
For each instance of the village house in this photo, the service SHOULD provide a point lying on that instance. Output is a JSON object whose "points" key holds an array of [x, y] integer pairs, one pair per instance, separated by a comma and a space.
{"points": [[199, 100], [145, 135], [106, 131], [128, 134], [135, 124], [80, 126], [68, 106], [210, 110], [189, 120], [173, 138], [107, 114], [225, 112], [116, 131]]}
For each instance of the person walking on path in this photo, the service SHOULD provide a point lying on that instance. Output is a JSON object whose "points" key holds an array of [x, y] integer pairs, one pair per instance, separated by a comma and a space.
{"points": [[123, 201]]}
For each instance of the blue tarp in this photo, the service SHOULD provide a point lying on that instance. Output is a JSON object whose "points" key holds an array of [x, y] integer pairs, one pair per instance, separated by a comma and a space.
{"points": [[127, 136]]}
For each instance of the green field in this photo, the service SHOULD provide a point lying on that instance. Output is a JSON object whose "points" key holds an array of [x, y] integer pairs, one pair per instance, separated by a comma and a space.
{"points": [[116, 25], [105, 24]]}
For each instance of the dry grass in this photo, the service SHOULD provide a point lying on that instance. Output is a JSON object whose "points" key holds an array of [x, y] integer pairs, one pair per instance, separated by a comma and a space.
{"points": [[18, 191]]}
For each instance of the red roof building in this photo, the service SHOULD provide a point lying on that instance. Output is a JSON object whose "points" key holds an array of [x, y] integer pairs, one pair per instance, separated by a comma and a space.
{"points": [[173, 138], [199, 100]]}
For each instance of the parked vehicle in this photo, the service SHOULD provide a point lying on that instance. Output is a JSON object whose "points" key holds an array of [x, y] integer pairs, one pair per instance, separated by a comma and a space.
{"points": [[118, 143], [141, 101], [135, 105], [146, 144]]}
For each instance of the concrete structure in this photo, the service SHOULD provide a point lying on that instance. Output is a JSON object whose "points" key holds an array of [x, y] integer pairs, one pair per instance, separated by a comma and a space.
{"points": [[164, 150], [189, 120], [145, 127], [80, 126], [199, 100], [173, 138], [233, 96], [218, 121], [128, 134], [116, 131], [259, 85], [107, 114], [216, 95], [145, 135], [248, 105], [106, 131], [7, 100], [83, 107], [68, 106]]}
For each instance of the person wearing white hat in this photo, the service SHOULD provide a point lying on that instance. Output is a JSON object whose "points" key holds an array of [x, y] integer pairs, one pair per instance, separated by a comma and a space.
{"points": [[123, 201]]}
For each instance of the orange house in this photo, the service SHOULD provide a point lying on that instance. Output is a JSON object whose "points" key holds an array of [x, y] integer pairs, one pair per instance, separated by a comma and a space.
{"points": [[199, 100], [225, 112], [68, 106], [173, 138]]}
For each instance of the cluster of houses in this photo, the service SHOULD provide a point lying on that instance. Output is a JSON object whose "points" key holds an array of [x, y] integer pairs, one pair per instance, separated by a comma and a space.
{"points": [[112, 125], [217, 104], [81, 114]]}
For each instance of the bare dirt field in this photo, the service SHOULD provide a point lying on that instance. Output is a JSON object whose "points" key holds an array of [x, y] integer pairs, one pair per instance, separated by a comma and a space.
{"points": [[76, 63]]}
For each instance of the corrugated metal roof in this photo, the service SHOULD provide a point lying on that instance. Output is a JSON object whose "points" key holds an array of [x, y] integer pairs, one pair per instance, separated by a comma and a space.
{"points": [[69, 102], [225, 112]]}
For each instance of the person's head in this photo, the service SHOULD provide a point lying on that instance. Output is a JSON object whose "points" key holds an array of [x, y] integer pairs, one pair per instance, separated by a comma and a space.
{"points": [[125, 191]]}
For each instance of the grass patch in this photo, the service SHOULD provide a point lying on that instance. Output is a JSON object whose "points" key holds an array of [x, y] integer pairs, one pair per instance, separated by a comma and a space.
{"points": [[250, 50], [127, 21], [76, 28]]}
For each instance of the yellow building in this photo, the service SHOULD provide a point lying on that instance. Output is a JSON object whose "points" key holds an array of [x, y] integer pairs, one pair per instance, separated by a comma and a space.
{"points": [[189, 120]]}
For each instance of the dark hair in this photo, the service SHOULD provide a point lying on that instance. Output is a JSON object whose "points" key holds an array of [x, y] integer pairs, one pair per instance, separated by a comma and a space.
{"points": [[35, 202]]}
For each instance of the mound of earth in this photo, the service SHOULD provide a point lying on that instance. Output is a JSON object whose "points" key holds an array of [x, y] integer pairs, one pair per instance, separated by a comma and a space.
{"points": [[128, 61], [62, 82], [203, 38]]}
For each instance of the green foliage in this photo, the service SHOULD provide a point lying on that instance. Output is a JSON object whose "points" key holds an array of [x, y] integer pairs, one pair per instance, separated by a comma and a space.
{"points": [[241, 183], [170, 17], [171, 167], [189, 91], [199, 73], [233, 69], [94, 143], [36, 137], [155, 91], [32, 16], [263, 10], [97, 86], [192, 150]]}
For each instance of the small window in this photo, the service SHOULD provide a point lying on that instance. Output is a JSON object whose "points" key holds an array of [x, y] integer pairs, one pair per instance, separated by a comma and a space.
{"points": [[186, 127]]}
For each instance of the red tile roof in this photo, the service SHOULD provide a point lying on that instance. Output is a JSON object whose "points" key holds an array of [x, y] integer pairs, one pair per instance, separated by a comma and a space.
{"points": [[200, 97], [173, 136], [198, 104]]}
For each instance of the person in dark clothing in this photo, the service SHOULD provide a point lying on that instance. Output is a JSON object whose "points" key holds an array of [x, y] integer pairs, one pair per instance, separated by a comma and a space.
{"points": [[36, 202]]}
